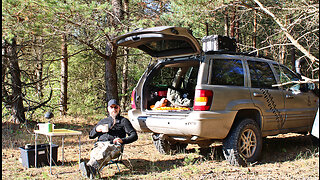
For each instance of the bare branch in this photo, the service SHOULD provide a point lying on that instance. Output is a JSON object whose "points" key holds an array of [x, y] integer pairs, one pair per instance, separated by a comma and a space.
{"points": [[289, 36]]}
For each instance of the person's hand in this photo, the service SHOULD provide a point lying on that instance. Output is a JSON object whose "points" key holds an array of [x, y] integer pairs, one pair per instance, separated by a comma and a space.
{"points": [[101, 128], [117, 141]]}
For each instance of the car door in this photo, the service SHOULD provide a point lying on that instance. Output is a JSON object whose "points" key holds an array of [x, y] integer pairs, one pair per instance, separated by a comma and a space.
{"points": [[163, 41], [300, 105], [267, 98]]}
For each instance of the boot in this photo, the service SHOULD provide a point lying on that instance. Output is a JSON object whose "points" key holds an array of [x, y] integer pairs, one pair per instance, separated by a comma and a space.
{"points": [[84, 170]]}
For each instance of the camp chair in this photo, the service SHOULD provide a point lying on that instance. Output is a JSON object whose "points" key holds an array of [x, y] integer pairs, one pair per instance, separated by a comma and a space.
{"points": [[116, 160]]}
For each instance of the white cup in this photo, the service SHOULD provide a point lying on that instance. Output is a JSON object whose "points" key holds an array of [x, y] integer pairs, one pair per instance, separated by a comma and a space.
{"points": [[105, 128]]}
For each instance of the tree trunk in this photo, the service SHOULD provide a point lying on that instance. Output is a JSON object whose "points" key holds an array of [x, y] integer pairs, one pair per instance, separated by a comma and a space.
{"points": [[254, 38], [237, 30], [282, 54], [4, 68], [233, 23], [39, 65], [111, 73], [226, 22], [293, 59], [117, 10], [16, 97], [124, 88], [64, 76], [111, 52], [124, 85]]}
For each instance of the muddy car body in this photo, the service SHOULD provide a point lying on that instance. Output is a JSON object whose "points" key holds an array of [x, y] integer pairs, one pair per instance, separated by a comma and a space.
{"points": [[230, 97]]}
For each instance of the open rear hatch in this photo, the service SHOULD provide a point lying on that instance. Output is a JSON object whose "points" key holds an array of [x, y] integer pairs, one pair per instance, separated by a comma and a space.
{"points": [[173, 81], [163, 41]]}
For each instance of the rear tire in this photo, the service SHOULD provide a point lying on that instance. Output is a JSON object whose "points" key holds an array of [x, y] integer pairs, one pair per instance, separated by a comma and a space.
{"points": [[164, 146], [243, 145]]}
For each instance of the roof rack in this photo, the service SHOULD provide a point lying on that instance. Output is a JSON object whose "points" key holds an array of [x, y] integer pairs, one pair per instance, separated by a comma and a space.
{"points": [[238, 53]]}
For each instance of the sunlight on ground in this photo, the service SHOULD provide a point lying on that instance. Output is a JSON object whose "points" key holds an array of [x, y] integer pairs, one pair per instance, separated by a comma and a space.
{"points": [[290, 156]]}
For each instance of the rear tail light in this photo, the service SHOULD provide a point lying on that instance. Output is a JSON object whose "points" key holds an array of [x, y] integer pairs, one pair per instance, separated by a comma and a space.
{"points": [[202, 100], [133, 100]]}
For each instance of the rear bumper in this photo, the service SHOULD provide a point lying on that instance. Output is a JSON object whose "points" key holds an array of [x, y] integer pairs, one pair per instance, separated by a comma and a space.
{"points": [[204, 124]]}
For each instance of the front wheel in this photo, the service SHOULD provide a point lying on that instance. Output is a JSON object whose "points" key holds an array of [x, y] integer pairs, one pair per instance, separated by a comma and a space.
{"points": [[243, 144]]}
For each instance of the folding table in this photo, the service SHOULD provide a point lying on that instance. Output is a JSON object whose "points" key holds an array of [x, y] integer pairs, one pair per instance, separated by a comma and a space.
{"points": [[57, 132]]}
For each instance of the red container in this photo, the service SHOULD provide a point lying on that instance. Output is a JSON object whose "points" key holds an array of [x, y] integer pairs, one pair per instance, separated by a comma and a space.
{"points": [[162, 93]]}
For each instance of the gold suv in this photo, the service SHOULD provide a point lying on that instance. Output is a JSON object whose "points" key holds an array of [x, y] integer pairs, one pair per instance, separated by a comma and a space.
{"points": [[200, 97]]}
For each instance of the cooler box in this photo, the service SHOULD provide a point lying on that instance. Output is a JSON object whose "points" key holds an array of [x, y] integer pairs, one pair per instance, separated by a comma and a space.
{"points": [[218, 43], [27, 156]]}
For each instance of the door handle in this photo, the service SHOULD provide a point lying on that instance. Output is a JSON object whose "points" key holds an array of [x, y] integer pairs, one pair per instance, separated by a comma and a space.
{"points": [[257, 95], [289, 96]]}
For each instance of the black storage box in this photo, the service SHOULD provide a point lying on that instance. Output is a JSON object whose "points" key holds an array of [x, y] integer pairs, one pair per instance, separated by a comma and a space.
{"points": [[43, 155], [218, 43]]}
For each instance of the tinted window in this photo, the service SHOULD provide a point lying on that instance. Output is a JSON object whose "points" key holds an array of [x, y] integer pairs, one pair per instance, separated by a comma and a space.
{"points": [[190, 80], [285, 76], [164, 77], [162, 45], [227, 72], [167, 48], [261, 75]]}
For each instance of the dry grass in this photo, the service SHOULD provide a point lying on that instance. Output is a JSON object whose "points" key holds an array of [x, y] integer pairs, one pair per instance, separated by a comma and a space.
{"points": [[290, 156]]}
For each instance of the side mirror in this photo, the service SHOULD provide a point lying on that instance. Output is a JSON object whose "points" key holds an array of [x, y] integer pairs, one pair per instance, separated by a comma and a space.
{"points": [[311, 86], [307, 87]]}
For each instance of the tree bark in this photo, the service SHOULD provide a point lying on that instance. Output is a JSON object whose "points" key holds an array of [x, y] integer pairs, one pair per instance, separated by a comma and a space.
{"points": [[226, 22], [64, 77], [39, 65], [16, 97], [124, 87], [237, 29], [117, 10], [111, 73], [4, 68], [111, 55], [233, 23], [293, 59], [254, 38]]}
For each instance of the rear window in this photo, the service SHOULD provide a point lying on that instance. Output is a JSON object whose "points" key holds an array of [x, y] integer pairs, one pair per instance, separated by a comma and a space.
{"points": [[261, 75], [227, 72], [164, 77], [167, 47], [162, 45]]}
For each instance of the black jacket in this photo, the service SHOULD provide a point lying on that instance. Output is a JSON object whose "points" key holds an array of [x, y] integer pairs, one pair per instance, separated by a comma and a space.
{"points": [[121, 128]]}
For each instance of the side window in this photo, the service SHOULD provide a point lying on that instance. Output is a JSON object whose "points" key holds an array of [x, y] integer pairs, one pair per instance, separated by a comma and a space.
{"points": [[261, 75], [227, 72], [285, 76], [190, 80]]}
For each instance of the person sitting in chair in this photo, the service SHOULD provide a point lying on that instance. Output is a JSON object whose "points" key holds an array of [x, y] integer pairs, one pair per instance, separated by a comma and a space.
{"points": [[111, 133]]}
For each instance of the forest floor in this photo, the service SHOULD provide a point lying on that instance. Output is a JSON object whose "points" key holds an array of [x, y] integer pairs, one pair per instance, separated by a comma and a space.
{"points": [[289, 156]]}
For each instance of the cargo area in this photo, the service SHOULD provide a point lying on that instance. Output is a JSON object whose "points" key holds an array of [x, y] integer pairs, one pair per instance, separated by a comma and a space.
{"points": [[171, 87]]}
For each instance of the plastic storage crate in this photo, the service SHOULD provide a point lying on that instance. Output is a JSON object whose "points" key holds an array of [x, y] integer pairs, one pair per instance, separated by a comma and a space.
{"points": [[43, 155]]}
